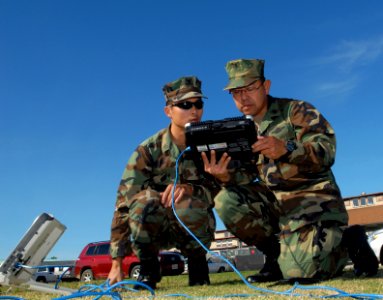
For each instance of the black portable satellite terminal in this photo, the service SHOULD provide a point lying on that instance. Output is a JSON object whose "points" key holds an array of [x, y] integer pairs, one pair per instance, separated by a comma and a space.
{"points": [[232, 135]]}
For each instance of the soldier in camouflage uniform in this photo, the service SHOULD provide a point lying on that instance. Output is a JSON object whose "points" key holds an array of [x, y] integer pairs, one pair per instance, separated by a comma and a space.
{"points": [[143, 216], [294, 212]]}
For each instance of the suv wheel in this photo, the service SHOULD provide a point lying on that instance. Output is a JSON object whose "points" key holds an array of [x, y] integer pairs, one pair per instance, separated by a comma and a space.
{"points": [[135, 272], [87, 275]]}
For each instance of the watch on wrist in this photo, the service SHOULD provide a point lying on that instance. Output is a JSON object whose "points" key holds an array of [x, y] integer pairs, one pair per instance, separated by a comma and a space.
{"points": [[290, 146]]}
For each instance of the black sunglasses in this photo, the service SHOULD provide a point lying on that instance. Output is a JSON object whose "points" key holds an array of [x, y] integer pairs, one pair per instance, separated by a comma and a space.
{"points": [[188, 105]]}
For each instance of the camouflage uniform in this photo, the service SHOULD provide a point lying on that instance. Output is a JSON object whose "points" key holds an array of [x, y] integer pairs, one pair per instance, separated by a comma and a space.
{"points": [[313, 211], [140, 221], [297, 191], [139, 211]]}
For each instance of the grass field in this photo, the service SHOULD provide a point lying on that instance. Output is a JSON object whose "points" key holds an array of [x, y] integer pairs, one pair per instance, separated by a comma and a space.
{"points": [[227, 285]]}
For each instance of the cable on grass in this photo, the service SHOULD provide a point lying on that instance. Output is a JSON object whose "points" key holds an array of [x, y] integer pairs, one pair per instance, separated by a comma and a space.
{"points": [[105, 289]]}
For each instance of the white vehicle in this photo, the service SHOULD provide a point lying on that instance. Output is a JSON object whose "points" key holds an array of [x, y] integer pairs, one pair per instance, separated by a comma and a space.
{"points": [[217, 265], [375, 239], [43, 275], [67, 271]]}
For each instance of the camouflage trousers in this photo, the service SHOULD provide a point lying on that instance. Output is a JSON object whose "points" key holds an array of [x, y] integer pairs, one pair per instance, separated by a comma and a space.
{"points": [[155, 227], [252, 213], [313, 251]]}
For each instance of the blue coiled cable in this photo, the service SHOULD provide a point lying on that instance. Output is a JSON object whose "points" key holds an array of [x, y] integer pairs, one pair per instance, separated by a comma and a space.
{"points": [[106, 289]]}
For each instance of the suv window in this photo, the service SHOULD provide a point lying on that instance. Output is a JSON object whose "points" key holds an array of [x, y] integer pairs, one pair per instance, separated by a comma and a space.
{"points": [[90, 250], [102, 249]]}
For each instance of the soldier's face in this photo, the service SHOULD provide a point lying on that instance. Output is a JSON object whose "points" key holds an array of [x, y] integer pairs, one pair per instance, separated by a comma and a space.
{"points": [[252, 99], [187, 111]]}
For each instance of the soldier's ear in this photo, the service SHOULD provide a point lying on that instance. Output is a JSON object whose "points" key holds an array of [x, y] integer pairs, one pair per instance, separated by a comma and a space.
{"points": [[267, 85], [168, 111]]}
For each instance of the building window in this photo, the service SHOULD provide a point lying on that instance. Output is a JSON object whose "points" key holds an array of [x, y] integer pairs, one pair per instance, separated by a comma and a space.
{"points": [[363, 201], [370, 200]]}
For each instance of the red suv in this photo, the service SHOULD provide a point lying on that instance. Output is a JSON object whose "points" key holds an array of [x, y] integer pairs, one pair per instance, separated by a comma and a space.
{"points": [[94, 262]]}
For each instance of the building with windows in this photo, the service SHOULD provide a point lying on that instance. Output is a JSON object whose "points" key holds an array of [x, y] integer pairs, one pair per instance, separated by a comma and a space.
{"points": [[226, 242], [366, 210]]}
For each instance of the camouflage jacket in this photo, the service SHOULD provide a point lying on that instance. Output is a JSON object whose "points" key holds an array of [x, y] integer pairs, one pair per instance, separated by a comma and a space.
{"points": [[152, 166], [302, 181], [311, 162]]}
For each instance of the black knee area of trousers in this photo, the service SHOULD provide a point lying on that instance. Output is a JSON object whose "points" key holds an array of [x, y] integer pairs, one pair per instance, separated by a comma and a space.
{"points": [[356, 242], [270, 271], [270, 246], [150, 273], [198, 270]]}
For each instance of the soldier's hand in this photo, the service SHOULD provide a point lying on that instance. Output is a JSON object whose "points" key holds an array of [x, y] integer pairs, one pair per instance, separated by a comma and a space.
{"points": [[218, 170], [180, 191], [270, 147]]}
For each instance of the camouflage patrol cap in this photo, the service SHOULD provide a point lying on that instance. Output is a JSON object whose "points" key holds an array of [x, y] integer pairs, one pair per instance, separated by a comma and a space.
{"points": [[183, 88], [243, 72]]}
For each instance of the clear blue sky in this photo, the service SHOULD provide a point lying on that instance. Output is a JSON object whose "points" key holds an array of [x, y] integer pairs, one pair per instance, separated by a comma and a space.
{"points": [[80, 87]]}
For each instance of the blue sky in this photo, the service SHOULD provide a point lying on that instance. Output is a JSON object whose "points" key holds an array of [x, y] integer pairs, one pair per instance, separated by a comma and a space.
{"points": [[80, 87]]}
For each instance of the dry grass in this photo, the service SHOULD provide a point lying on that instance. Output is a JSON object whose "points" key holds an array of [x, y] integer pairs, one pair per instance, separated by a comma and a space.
{"points": [[229, 285]]}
